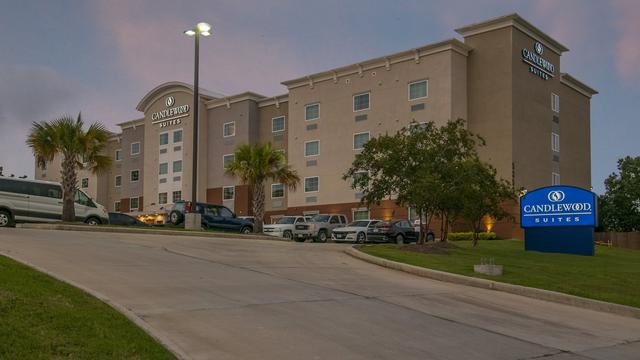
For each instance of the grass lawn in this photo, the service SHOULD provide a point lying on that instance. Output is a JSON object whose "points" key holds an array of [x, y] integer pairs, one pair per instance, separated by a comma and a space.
{"points": [[43, 318], [612, 275]]}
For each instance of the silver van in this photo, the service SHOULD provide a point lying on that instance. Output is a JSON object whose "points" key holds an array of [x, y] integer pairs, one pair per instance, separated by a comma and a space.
{"points": [[41, 201]]}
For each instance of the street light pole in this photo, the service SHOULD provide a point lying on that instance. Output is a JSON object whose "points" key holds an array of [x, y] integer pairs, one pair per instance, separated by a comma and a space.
{"points": [[196, 117], [204, 30]]}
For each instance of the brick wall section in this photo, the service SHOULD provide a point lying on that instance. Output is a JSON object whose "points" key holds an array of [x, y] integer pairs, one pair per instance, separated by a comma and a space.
{"points": [[124, 205], [214, 196], [242, 201]]}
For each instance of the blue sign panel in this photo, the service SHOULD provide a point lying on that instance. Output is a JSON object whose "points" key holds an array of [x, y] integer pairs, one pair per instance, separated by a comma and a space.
{"points": [[558, 206]]}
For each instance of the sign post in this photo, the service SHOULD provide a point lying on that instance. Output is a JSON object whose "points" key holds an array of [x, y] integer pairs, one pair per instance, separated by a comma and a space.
{"points": [[559, 219]]}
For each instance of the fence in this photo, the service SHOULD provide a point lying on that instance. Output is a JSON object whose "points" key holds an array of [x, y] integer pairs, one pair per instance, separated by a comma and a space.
{"points": [[627, 240]]}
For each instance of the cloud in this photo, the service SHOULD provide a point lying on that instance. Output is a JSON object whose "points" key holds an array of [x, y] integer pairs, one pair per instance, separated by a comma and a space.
{"points": [[151, 48], [39, 93], [627, 49]]}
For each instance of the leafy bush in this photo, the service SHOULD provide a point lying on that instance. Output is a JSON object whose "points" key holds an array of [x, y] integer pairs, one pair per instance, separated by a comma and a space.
{"points": [[469, 235]]}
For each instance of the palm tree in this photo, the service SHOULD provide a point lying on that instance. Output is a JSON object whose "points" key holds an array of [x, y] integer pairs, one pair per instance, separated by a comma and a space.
{"points": [[253, 165], [79, 150]]}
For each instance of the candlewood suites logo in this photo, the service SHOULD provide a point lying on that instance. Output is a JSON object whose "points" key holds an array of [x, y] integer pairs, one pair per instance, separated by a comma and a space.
{"points": [[172, 115], [538, 65]]}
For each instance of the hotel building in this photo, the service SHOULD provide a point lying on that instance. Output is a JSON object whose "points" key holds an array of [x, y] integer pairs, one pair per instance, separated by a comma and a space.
{"points": [[504, 78]]}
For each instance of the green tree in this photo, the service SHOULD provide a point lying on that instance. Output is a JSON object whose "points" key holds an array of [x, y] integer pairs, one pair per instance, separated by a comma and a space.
{"points": [[483, 194], [255, 164], [419, 167], [620, 205], [78, 148]]}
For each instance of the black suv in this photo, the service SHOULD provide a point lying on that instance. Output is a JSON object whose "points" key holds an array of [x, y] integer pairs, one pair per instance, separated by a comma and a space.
{"points": [[214, 217], [399, 231]]}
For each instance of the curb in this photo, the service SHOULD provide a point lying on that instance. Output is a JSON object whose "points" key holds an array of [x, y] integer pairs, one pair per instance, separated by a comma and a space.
{"points": [[540, 294], [202, 234], [138, 321]]}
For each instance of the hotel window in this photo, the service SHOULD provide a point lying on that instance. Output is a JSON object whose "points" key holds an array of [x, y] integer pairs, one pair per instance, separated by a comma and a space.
{"points": [[134, 204], [176, 196], [312, 111], [162, 198], [118, 180], [118, 155], [311, 184], [135, 148], [277, 191], [164, 169], [177, 136], [85, 183], [277, 124], [418, 90], [555, 142], [361, 102], [226, 159], [177, 166], [555, 178], [360, 214], [164, 139], [134, 175], [229, 129], [116, 206], [359, 140], [555, 103], [312, 148], [228, 192]]}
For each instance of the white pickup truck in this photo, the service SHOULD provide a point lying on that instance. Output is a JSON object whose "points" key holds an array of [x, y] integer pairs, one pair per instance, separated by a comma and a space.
{"points": [[284, 227]]}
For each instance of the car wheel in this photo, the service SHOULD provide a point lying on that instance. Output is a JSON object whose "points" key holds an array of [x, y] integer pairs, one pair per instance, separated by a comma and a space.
{"points": [[399, 239], [322, 236], [246, 230], [287, 235], [93, 221], [5, 218], [361, 238], [431, 237], [174, 218]]}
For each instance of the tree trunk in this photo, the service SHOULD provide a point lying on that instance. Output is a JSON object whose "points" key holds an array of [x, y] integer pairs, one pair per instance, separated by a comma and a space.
{"points": [[258, 205], [476, 230], [422, 234], [69, 188]]}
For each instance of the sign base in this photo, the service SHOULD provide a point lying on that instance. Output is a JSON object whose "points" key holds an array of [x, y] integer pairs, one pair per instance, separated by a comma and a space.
{"points": [[568, 240]]}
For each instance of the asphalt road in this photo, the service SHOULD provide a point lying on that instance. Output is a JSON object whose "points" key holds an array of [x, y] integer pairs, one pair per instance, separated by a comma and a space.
{"points": [[252, 299]]}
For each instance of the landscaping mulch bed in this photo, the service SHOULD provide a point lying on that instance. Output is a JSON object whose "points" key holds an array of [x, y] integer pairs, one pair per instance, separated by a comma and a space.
{"points": [[438, 248]]}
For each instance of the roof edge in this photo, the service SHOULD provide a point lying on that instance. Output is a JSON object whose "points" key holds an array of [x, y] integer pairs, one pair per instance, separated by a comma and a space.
{"points": [[577, 85], [511, 20], [151, 95], [448, 44]]}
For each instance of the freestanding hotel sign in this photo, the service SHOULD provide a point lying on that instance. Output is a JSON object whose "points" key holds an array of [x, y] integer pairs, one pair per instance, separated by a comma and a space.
{"points": [[559, 219]]}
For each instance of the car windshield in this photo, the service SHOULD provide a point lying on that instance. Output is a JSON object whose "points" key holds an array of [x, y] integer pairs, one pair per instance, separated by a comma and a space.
{"points": [[320, 218], [360, 223], [287, 220]]}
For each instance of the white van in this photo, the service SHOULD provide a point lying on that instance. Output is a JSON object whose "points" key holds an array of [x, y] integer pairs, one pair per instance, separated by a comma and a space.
{"points": [[41, 201]]}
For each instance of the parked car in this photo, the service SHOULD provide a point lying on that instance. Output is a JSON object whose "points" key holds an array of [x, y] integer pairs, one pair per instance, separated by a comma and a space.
{"points": [[24, 200], [125, 220], [214, 217], [284, 227], [251, 219], [356, 231], [398, 231], [319, 227]]}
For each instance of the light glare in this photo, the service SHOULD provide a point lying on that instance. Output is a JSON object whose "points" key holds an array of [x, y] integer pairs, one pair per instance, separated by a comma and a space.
{"points": [[203, 27], [190, 32]]}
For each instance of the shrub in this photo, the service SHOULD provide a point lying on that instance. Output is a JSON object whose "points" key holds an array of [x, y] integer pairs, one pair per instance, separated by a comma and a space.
{"points": [[469, 235]]}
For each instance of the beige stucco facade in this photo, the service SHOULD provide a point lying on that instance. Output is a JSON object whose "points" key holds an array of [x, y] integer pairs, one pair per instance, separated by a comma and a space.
{"points": [[485, 78]]}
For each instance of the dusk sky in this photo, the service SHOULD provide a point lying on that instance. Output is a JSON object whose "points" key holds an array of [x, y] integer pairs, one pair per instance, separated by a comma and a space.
{"points": [[102, 57]]}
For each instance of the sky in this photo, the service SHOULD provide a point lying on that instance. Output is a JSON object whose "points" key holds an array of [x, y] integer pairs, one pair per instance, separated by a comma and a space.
{"points": [[101, 57]]}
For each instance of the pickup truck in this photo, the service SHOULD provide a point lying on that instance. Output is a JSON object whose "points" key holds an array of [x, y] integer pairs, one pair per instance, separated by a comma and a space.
{"points": [[319, 227]]}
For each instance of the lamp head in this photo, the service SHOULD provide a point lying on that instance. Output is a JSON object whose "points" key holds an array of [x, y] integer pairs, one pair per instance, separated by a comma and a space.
{"points": [[190, 32], [203, 27]]}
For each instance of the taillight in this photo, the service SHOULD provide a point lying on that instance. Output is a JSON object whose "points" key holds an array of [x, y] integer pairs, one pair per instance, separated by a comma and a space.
{"points": [[386, 229], [187, 207]]}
